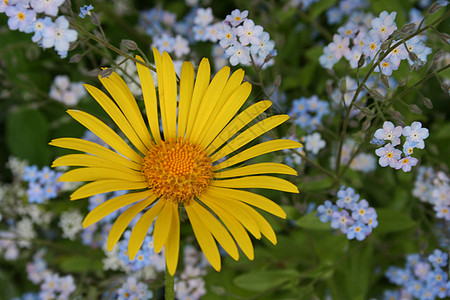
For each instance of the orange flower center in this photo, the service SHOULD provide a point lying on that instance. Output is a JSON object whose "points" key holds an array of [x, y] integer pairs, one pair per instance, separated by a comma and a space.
{"points": [[177, 170]]}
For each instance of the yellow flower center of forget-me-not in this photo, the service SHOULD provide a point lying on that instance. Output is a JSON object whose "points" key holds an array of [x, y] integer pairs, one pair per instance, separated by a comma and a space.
{"points": [[177, 170]]}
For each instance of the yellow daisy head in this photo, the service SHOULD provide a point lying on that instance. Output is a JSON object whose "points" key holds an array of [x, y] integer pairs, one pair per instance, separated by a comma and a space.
{"points": [[191, 164]]}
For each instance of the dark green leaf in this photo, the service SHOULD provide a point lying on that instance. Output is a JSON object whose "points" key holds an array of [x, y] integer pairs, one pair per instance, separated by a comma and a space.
{"points": [[78, 263], [310, 221], [392, 221], [27, 136], [259, 281]]}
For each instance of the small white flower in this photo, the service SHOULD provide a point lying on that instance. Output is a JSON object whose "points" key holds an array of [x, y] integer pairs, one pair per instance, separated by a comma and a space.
{"points": [[238, 54], [180, 46], [249, 33], [236, 17], [25, 232], [70, 223], [203, 16], [314, 142]]}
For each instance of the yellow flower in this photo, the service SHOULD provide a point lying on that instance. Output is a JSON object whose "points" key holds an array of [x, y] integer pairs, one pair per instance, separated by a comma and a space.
{"points": [[183, 168]]}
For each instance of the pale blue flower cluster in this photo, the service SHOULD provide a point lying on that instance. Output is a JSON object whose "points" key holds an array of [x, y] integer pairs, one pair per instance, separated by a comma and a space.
{"points": [[43, 184], [52, 285], [302, 4], [22, 16], [362, 162], [174, 36], [244, 42], [355, 39], [67, 92], [143, 257], [292, 158], [308, 112], [389, 154], [421, 278], [351, 216], [189, 284], [434, 188], [133, 289], [345, 8]]}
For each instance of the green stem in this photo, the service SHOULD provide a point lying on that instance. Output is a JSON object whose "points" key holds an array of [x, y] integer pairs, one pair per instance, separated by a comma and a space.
{"points": [[415, 85], [169, 289], [316, 25], [258, 76], [109, 46], [312, 163]]}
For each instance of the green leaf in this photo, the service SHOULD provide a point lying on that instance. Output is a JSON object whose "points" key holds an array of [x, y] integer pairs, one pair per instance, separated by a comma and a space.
{"points": [[319, 7], [79, 264], [27, 136], [310, 221], [392, 221], [332, 247], [7, 286], [259, 281], [443, 132], [318, 185]]}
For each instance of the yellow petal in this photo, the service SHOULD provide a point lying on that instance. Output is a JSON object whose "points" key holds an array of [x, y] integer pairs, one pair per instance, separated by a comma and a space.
{"points": [[105, 133], [212, 94], [117, 116], [204, 238], [201, 84], [249, 135], [219, 232], [186, 89], [261, 168], [232, 84], [105, 186], [125, 99], [170, 93], [111, 205], [140, 229], [150, 101], [162, 226], [236, 229], [95, 149], [87, 160], [235, 208], [173, 242], [261, 182], [264, 226], [123, 221], [97, 173], [161, 90], [245, 117], [227, 112], [249, 198], [263, 148]]}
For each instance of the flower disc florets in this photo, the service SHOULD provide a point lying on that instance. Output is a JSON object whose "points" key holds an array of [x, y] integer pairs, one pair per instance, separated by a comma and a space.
{"points": [[177, 170]]}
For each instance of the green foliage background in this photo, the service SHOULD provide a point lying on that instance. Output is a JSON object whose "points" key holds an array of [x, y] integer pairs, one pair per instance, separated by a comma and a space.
{"points": [[310, 259]]}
